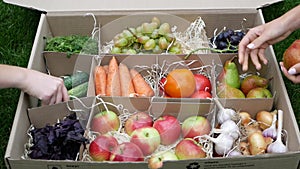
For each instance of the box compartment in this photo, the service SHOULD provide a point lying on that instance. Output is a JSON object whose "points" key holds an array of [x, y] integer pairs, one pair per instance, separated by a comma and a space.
{"points": [[247, 103], [131, 61], [59, 64]]}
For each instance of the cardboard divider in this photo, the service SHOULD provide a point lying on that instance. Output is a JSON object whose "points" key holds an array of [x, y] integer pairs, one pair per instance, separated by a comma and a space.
{"points": [[60, 64], [183, 109]]}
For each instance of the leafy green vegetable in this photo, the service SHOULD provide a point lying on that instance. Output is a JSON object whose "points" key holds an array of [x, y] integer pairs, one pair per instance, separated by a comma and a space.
{"points": [[72, 44]]}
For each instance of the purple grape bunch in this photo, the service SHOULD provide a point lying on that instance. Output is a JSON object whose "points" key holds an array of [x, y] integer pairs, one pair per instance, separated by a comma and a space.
{"points": [[227, 41], [60, 141]]}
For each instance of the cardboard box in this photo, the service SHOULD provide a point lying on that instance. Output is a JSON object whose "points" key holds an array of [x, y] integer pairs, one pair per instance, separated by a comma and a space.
{"points": [[68, 17]]}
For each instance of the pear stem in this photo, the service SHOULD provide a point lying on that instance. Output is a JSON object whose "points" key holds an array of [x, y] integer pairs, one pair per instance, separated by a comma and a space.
{"points": [[232, 58]]}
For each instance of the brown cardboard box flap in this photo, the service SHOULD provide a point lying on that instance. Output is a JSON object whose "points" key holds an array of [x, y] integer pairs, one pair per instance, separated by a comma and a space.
{"points": [[132, 5]]}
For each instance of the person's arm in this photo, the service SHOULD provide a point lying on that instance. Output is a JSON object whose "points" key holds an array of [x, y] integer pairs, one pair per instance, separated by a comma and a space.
{"points": [[257, 39], [47, 88]]}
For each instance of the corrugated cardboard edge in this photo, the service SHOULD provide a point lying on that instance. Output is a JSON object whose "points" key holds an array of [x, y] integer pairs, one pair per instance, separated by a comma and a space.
{"points": [[22, 104], [132, 5]]}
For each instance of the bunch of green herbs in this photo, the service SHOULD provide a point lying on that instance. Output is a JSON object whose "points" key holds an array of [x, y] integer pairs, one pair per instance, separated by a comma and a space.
{"points": [[72, 44]]}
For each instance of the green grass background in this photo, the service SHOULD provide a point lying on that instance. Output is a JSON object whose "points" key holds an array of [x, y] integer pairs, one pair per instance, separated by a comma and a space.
{"points": [[17, 31]]}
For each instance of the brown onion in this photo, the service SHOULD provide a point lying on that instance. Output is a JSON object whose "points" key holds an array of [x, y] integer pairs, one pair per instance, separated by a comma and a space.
{"points": [[244, 148], [245, 118], [257, 144], [264, 118]]}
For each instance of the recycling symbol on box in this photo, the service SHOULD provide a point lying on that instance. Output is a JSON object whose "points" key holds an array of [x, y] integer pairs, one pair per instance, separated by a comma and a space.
{"points": [[54, 167], [193, 165]]}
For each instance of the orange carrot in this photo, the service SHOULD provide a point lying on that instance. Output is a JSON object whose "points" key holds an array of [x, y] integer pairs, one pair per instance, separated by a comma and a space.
{"points": [[141, 87], [127, 88], [100, 80], [105, 67], [113, 87]]}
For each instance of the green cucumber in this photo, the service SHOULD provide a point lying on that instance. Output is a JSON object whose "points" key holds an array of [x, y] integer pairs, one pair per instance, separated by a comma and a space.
{"points": [[75, 79], [79, 91]]}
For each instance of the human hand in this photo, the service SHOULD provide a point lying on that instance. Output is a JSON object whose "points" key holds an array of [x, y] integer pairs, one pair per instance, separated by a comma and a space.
{"points": [[293, 74], [49, 89], [257, 40]]}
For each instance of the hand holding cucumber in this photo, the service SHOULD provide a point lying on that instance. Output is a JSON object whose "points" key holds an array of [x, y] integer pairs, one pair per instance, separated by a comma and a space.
{"points": [[49, 89]]}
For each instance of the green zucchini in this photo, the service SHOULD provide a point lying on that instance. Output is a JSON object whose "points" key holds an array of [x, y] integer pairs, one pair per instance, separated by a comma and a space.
{"points": [[75, 79], [79, 91]]}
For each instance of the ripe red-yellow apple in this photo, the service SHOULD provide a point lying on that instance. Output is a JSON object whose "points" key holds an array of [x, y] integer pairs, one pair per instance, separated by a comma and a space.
{"points": [[147, 138], [189, 149], [291, 56], [156, 160], [169, 129], [105, 121], [195, 126], [127, 151], [101, 147], [137, 120]]}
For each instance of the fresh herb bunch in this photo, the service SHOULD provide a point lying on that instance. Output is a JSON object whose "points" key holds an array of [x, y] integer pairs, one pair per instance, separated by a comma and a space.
{"points": [[72, 44]]}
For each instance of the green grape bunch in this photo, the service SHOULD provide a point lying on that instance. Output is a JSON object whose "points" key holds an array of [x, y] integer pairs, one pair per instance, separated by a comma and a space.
{"points": [[148, 38]]}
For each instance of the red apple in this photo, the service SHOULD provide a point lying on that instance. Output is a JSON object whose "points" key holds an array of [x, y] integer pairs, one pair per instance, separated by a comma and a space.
{"points": [[291, 55], [137, 120], [105, 121], [101, 147], [189, 149], [147, 138], [162, 82], [156, 161], [127, 151], [195, 126], [169, 129], [202, 83], [200, 94]]}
